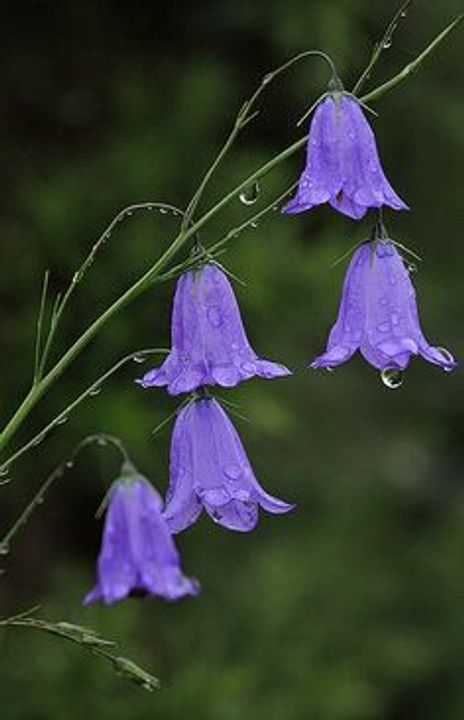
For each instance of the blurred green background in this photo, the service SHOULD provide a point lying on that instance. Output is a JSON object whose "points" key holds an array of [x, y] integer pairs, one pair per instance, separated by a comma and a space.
{"points": [[351, 608]]}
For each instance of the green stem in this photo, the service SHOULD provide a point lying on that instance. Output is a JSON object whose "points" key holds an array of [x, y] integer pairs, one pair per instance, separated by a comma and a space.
{"points": [[63, 415], [244, 116], [412, 66]]}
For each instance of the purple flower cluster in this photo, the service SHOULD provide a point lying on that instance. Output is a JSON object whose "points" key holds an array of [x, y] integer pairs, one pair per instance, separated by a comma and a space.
{"points": [[209, 469]]}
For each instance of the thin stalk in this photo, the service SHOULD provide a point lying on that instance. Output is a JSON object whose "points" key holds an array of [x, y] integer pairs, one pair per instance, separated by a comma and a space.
{"points": [[411, 67], [383, 44], [64, 414], [244, 116]]}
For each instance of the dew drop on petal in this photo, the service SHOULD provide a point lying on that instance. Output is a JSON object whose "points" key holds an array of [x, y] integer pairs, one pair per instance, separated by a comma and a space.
{"points": [[392, 378], [383, 327], [214, 316], [248, 367], [232, 471], [250, 194], [448, 356]]}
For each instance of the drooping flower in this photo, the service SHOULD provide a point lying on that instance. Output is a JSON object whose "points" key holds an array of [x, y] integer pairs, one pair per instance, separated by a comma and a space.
{"points": [[342, 166], [209, 343], [210, 470], [378, 314], [138, 554]]}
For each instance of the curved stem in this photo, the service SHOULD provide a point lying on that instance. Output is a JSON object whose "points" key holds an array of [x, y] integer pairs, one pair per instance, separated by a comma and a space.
{"points": [[382, 45], [244, 116], [63, 415], [412, 66]]}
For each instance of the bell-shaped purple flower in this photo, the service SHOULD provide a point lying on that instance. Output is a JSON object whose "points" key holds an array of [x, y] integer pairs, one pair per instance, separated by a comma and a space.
{"points": [[378, 314], [209, 469], [342, 166], [138, 554], [209, 343]]}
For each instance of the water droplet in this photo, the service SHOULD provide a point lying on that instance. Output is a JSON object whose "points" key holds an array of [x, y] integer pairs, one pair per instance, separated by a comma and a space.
{"points": [[392, 378], [139, 358], [129, 213], [102, 442], [267, 78], [40, 500], [95, 391], [387, 43], [449, 357], [62, 420], [163, 210], [403, 13], [395, 318], [383, 327], [38, 439], [250, 194], [254, 224], [232, 471], [4, 471], [412, 267], [69, 464], [275, 208], [4, 548], [215, 316], [248, 367]]}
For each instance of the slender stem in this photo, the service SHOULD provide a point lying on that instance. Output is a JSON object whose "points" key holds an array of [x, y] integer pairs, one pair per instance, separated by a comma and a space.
{"points": [[382, 45], [79, 275], [412, 66], [23, 518], [40, 320], [244, 116], [64, 414]]}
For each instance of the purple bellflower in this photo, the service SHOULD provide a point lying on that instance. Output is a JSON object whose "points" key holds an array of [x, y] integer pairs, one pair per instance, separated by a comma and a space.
{"points": [[138, 554], [209, 343], [342, 166], [378, 314], [210, 470]]}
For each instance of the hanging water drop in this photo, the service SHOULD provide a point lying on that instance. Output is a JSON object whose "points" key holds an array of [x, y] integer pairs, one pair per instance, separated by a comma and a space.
{"points": [[102, 442], [4, 471], [254, 224], [62, 420], [448, 356], [387, 43], [139, 358], [40, 438], [69, 464], [163, 210], [392, 378], [412, 267], [95, 391], [250, 194], [4, 548]]}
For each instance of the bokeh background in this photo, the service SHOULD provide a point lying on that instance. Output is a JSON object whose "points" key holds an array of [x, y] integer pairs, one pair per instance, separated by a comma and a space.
{"points": [[351, 608]]}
